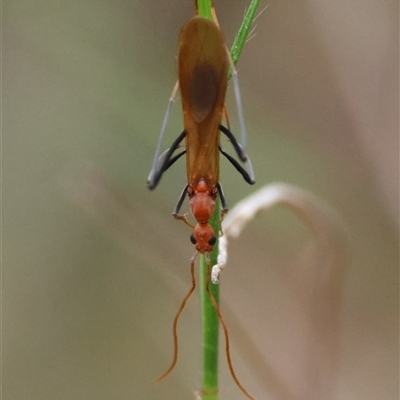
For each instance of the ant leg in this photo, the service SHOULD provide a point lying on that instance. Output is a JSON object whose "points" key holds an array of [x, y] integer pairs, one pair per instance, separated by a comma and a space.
{"points": [[222, 197], [178, 207], [162, 133], [224, 208]]}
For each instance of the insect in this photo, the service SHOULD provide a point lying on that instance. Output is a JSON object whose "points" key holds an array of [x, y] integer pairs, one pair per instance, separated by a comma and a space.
{"points": [[203, 66]]}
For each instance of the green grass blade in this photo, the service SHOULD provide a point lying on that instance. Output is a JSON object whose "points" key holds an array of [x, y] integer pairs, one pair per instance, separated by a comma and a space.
{"points": [[244, 30]]}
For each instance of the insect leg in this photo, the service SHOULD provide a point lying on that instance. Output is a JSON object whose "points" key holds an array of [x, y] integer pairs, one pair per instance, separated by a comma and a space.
{"points": [[167, 161], [227, 117], [222, 197], [162, 133], [174, 159], [171, 161], [248, 176], [224, 208], [243, 135], [238, 148], [180, 201], [178, 207]]}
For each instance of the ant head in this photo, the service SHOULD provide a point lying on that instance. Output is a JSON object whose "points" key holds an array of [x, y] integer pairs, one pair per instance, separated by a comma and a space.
{"points": [[203, 238]]}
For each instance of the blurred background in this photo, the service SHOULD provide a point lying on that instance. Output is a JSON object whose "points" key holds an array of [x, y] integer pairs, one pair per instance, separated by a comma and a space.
{"points": [[94, 265]]}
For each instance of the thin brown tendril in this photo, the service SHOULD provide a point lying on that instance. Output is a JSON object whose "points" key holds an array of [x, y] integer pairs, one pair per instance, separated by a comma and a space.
{"points": [[175, 325], [227, 343]]}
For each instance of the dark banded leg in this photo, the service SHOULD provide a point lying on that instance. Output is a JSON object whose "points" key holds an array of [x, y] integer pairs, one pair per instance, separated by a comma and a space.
{"points": [[156, 174]]}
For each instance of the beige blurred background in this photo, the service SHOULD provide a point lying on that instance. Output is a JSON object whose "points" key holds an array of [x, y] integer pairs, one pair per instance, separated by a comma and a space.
{"points": [[94, 265]]}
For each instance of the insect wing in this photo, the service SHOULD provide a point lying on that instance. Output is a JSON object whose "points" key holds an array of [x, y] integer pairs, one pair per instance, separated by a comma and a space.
{"points": [[202, 68]]}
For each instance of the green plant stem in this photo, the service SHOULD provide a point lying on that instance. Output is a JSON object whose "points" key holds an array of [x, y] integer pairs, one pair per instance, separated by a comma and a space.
{"points": [[210, 323], [243, 32], [204, 8], [209, 320]]}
